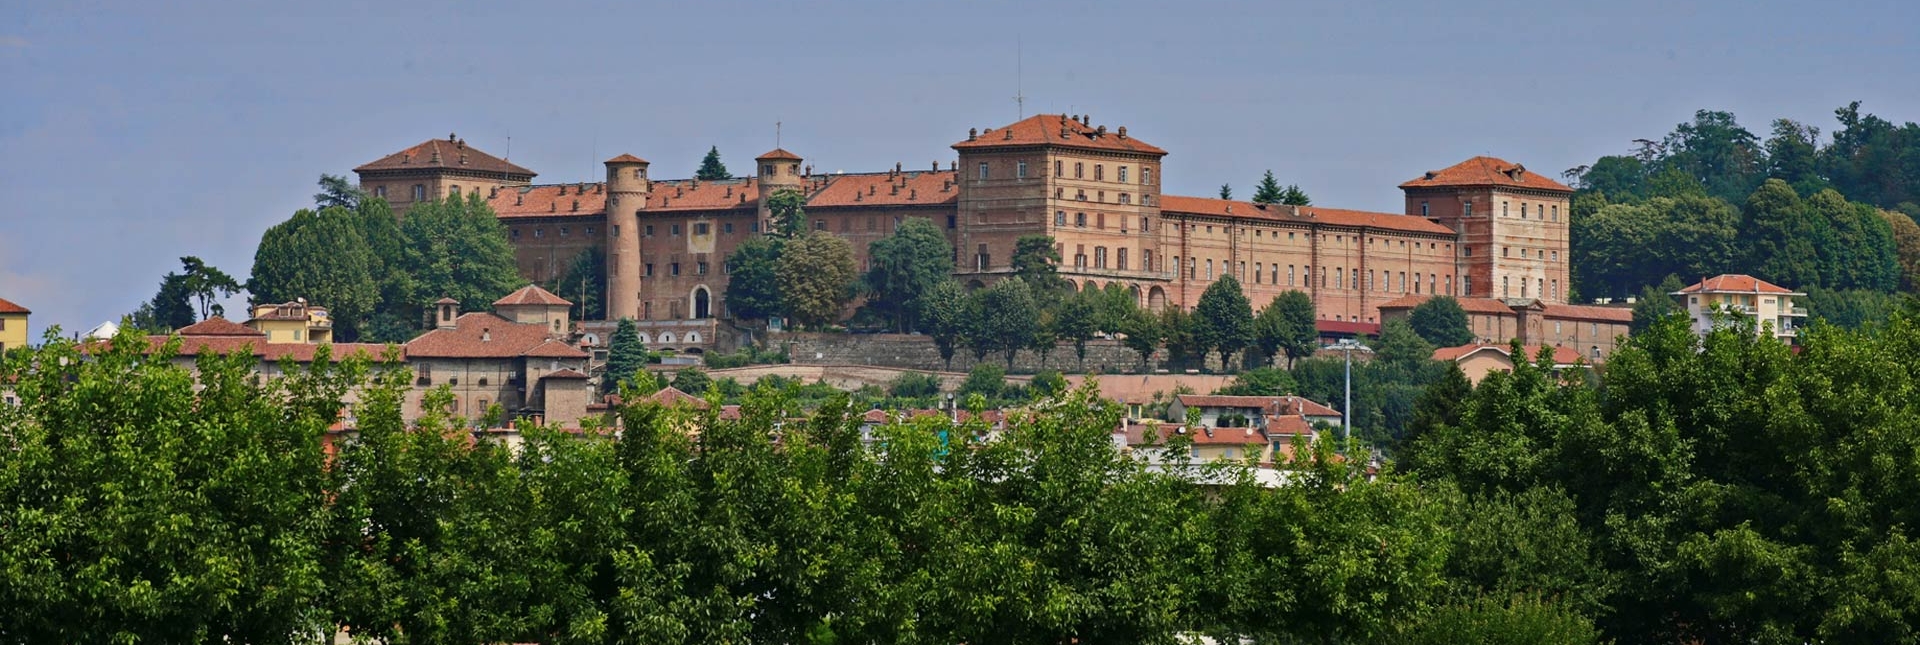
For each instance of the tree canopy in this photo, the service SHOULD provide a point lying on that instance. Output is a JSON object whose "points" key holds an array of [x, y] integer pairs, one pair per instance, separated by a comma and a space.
{"points": [[904, 266], [710, 167], [1441, 322], [753, 279], [816, 278]]}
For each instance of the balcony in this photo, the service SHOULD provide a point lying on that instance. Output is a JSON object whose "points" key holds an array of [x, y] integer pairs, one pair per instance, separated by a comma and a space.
{"points": [[1797, 311]]}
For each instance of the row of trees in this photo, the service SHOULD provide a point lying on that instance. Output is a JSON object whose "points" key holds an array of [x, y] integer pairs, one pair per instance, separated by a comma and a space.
{"points": [[1268, 191], [142, 502], [1711, 198]]}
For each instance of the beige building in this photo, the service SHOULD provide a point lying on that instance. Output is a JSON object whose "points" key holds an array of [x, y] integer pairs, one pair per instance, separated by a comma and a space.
{"points": [[1735, 298], [1480, 359], [13, 325], [292, 322], [1592, 330]]}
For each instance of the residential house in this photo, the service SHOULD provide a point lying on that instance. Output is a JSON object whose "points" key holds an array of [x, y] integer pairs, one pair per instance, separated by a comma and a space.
{"points": [[1478, 360], [13, 325], [1724, 300]]}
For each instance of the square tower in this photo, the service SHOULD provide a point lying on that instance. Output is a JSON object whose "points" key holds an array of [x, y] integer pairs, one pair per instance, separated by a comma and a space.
{"points": [[1512, 226]]}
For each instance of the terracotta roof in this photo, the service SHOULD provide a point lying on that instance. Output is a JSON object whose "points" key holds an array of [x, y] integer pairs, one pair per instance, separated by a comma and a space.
{"points": [[777, 153], [1471, 305], [1590, 312], [444, 153], [1045, 129], [626, 159], [1737, 283], [569, 374], [7, 307], [1301, 215], [1487, 171], [1346, 327], [1274, 404], [907, 188], [487, 335], [217, 326], [1289, 424], [1228, 436], [1561, 355], [672, 397], [446, 301], [299, 352], [532, 295]]}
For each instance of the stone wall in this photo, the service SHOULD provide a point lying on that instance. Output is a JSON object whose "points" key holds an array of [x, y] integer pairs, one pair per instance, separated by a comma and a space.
{"points": [[916, 352]]}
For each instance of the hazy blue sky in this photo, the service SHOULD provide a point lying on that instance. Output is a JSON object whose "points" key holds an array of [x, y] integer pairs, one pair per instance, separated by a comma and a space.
{"points": [[135, 133]]}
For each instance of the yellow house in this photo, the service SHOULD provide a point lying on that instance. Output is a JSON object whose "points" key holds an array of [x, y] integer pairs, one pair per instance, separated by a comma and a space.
{"points": [[13, 325], [1768, 307], [292, 322]]}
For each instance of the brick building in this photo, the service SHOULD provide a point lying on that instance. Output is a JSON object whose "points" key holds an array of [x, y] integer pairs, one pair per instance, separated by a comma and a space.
{"points": [[1483, 228]]}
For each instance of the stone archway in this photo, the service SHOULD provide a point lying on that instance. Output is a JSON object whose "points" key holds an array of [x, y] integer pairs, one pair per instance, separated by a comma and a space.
{"points": [[702, 302], [1156, 299]]}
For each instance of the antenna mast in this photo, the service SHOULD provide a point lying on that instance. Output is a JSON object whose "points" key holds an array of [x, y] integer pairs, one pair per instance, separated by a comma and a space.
{"points": [[1019, 79]]}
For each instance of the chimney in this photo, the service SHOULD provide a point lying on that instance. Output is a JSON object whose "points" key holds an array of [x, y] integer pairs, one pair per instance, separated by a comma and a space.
{"points": [[1100, 131], [576, 204], [896, 168], [436, 156], [463, 158], [1086, 119], [913, 194], [563, 190], [448, 313], [486, 335], [936, 166], [493, 192], [553, 207], [973, 133], [451, 138], [519, 198], [1123, 133], [1009, 134]]}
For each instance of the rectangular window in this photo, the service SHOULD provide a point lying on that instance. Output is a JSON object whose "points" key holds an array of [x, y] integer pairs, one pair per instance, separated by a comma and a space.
{"points": [[673, 269], [1080, 220], [649, 230], [1423, 209], [700, 229], [1059, 218], [380, 192], [1020, 169], [1556, 213], [1099, 172], [1122, 177], [724, 228], [952, 220], [1289, 275], [1469, 209], [516, 232], [453, 192], [649, 269], [1126, 199], [700, 268], [1503, 210], [983, 171], [1100, 221], [1120, 258], [1146, 176], [589, 230], [1057, 168], [419, 192], [537, 232], [1079, 170], [674, 230], [819, 225]]}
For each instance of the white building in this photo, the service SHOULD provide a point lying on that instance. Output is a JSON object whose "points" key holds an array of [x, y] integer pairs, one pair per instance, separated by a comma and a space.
{"points": [[1725, 300]]}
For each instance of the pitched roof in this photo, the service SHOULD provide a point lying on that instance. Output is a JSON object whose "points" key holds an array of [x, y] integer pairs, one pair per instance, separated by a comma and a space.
{"points": [[217, 326], [1302, 214], [1486, 171], [672, 397], [1561, 355], [908, 188], [450, 152], [1590, 312], [570, 374], [1737, 283], [1471, 305], [626, 158], [532, 295], [263, 350], [1346, 327], [1288, 424], [7, 307], [1277, 404], [1048, 129], [777, 154], [487, 335]]}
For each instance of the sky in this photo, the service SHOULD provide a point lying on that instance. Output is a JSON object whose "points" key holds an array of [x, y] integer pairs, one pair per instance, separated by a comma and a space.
{"points": [[132, 134]]}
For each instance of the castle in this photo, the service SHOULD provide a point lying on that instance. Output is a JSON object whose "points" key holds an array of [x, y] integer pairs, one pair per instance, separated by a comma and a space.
{"points": [[1487, 231]]}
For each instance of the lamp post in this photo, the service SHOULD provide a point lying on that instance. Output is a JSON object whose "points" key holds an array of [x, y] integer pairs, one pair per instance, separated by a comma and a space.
{"points": [[1347, 346]]}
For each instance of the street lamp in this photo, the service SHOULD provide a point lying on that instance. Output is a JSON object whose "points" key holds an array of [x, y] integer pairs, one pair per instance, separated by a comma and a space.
{"points": [[1348, 346]]}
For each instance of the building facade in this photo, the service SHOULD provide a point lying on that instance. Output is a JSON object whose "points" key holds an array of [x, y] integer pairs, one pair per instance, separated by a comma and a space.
{"points": [[13, 325], [1481, 228], [1724, 300]]}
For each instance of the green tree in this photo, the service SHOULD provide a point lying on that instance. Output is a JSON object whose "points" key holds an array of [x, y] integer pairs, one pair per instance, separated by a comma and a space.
{"points": [[1717, 153], [338, 191], [1294, 196], [1286, 326], [1267, 191], [1497, 621], [1177, 333], [1143, 335], [1793, 154], [986, 379], [320, 257], [458, 249], [1226, 191], [1037, 263], [1224, 320], [943, 314], [1906, 240], [1007, 313], [904, 266], [205, 285], [1656, 303], [1077, 319], [816, 278], [691, 380], [787, 208], [710, 167], [1441, 322], [1399, 343], [584, 283], [753, 279], [626, 356]]}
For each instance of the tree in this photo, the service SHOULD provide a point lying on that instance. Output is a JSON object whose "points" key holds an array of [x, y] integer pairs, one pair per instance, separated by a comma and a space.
{"points": [[816, 278], [942, 311], [1226, 191], [904, 266], [1076, 321], [1438, 407], [1177, 333], [626, 356], [319, 256], [1294, 196], [1717, 153], [787, 209], [1441, 321], [458, 249], [1656, 303], [1622, 247], [1793, 154], [1007, 313], [338, 191], [1286, 326], [1906, 239], [169, 309], [1224, 319], [753, 278], [1143, 335], [710, 167], [691, 380], [987, 380], [205, 284], [1399, 343], [1260, 381], [584, 283], [1036, 262], [1267, 191]]}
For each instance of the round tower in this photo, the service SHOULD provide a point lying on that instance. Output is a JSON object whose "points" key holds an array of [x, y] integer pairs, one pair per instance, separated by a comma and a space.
{"points": [[775, 171], [627, 188]]}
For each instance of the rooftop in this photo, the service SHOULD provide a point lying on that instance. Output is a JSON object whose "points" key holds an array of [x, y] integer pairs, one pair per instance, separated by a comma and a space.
{"points": [[7, 307], [1058, 130], [1299, 214], [1737, 283], [1486, 171], [532, 295], [449, 153]]}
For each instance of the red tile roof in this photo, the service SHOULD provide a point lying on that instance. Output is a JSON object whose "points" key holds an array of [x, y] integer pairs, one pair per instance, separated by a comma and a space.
{"points": [[569, 374], [1290, 424], [217, 326], [263, 350], [532, 295], [7, 307], [1590, 312], [444, 153], [1487, 171], [672, 397], [487, 335], [777, 154], [1276, 404], [625, 158], [1046, 129], [1302, 214], [1561, 355], [1471, 305], [1228, 436], [1737, 283], [1346, 327], [908, 188]]}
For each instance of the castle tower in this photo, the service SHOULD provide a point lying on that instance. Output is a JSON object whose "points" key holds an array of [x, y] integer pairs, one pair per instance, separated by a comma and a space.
{"points": [[438, 169], [627, 189], [1512, 224], [777, 170]]}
